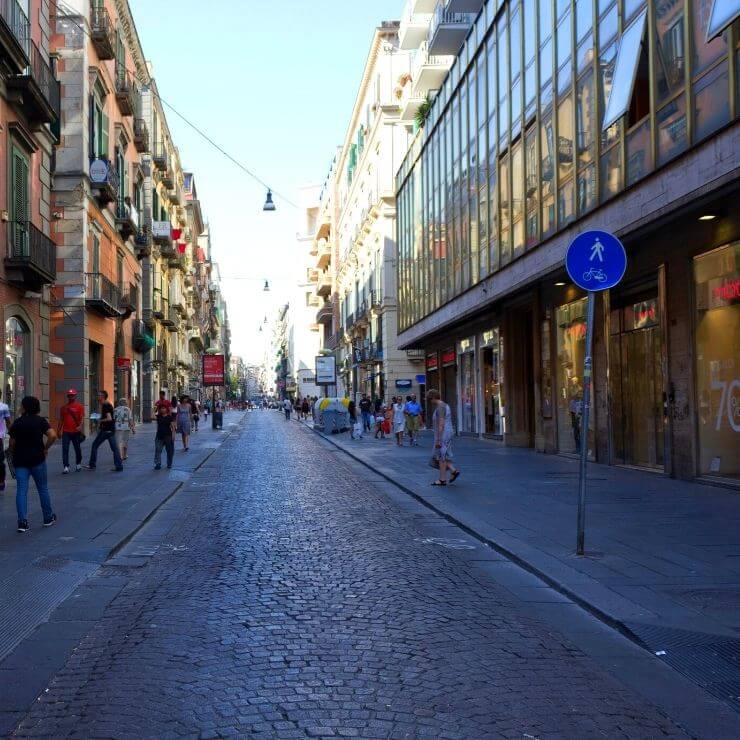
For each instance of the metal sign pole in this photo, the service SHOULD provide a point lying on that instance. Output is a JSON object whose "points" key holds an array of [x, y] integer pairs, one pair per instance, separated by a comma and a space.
{"points": [[586, 408]]}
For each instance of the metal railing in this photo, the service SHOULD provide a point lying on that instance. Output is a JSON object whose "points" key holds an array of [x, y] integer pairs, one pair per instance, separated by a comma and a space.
{"points": [[99, 288], [126, 91], [159, 155], [40, 71], [28, 244], [101, 32], [17, 21], [141, 133]]}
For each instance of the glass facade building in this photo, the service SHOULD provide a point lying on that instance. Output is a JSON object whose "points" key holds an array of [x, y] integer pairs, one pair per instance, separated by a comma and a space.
{"points": [[552, 108], [560, 116]]}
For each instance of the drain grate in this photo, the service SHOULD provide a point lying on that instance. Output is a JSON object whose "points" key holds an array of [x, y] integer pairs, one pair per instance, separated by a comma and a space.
{"points": [[712, 661]]}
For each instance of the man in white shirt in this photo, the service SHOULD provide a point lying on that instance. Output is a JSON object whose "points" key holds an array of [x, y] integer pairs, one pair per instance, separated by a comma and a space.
{"points": [[5, 418], [287, 407]]}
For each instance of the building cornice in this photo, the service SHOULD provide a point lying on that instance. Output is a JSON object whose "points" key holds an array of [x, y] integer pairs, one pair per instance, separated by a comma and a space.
{"points": [[133, 42]]}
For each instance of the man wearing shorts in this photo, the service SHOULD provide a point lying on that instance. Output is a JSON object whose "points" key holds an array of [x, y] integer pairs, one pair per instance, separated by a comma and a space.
{"points": [[412, 412]]}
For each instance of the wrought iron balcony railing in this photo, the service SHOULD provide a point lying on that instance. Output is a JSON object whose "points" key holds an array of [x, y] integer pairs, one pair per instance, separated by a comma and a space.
{"points": [[31, 255]]}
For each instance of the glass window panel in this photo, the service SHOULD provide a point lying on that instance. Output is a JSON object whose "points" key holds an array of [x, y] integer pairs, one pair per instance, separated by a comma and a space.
{"points": [[516, 108], [585, 119], [545, 20], [529, 30], [503, 121], [624, 73], [532, 188], [517, 200], [631, 7], [586, 189], [639, 155], [723, 13], [482, 202], [603, 5], [505, 211], [565, 40], [482, 108], [706, 53], [671, 129], [565, 160], [670, 60], [491, 56], [545, 63], [737, 83], [564, 80], [608, 27], [711, 102], [611, 173], [585, 53], [584, 18], [562, 6], [547, 174], [566, 202], [546, 96], [515, 31], [606, 72], [492, 211], [530, 86]]}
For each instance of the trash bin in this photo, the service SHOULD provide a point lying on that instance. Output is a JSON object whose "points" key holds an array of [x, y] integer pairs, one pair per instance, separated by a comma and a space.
{"points": [[218, 419]]}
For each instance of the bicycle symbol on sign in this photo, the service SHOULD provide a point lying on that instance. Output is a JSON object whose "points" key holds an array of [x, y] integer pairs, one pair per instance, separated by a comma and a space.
{"points": [[595, 273]]}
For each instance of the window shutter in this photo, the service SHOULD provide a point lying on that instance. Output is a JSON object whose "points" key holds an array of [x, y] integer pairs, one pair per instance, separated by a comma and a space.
{"points": [[93, 114], [103, 135], [19, 203]]}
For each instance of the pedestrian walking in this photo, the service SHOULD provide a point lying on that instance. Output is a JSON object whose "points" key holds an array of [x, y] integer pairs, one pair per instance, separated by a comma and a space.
{"points": [[5, 418], [31, 436], [380, 423], [196, 414], [412, 411], [305, 408], [162, 405], [355, 423], [206, 409], [287, 408], [124, 421], [443, 435], [184, 414], [366, 409], [165, 438], [69, 428], [297, 407], [106, 433], [399, 419]]}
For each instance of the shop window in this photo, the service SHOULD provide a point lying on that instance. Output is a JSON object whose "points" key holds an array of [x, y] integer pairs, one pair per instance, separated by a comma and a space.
{"points": [[628, 59], [468, 387], [491, 348], [710, 43], [711, 102], [717, 301], [18, 351]]}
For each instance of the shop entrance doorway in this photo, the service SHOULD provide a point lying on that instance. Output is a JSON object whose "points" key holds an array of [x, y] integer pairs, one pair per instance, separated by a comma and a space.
{"points": [[636, 379], [518, 406]]}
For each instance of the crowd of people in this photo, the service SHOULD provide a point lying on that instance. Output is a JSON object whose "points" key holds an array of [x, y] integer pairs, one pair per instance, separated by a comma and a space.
{"points": [[30, 436]]}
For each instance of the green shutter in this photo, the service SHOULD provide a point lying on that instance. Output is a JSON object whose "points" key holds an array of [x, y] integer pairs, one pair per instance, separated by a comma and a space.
{"points": [[120, 56], [19, 203], [155, 203], [104, 123]]}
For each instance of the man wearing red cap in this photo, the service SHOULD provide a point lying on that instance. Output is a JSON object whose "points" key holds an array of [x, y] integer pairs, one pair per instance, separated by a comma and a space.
{"points": [[71, 416]]}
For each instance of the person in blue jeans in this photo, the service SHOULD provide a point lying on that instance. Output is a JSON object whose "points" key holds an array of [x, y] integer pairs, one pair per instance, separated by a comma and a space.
{"points": [[31, 436], [106, 433]]}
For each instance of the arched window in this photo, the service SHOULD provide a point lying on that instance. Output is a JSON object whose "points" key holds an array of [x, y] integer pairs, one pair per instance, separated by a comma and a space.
{"points": [[17, 360]]}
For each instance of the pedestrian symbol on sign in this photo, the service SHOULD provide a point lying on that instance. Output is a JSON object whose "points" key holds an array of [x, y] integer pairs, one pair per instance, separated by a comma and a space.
{"points": [[597, 250]]}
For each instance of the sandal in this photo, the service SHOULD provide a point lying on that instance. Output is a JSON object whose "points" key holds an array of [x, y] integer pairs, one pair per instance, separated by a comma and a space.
{"points": [[439, 483], [455, 475]]}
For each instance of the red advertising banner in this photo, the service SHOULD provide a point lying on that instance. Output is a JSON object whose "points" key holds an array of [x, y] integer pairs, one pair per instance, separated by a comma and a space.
{"points": [[432, 362], [213, 370], [123, 363], [449, 357]]}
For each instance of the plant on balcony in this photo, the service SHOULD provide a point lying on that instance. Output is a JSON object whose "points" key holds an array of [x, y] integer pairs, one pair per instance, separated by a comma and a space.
{"points": [[423, 112]]}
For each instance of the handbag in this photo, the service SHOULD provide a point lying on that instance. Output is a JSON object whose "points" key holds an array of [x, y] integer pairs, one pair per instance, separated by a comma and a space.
{"points": [[434, 460]]}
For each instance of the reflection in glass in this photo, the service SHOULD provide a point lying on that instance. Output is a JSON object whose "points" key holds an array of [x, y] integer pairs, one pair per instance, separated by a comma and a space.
{"points": [[515, 32], [547, 174], [611, 173], [607, 60], [516, 108], [706, 53], [639, 157], [493, 255], [608, 27], [585, 54], [529, 31], [505, 210], [545, 20], [565, 40], [586, 189], [671, 129], [531, 187], [584, 18], [468, 388], [17, 346], [670, 62], [631, 7], [545, 63], [585, 118], [711, 102], [517, 201], [564, 79], [530, 90]]}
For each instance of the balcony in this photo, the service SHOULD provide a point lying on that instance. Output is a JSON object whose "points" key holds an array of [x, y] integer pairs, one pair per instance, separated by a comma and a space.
{"points": [[143, 244], [415, 355], [141, 135], [127, 219], [130, 302], [325, 313], [331, 341], [174, 195], [160, 157], [30, 261], [101, 33], [167, 178], [102, 295], [14, 34], [126, 92], [162, 235], [141, 340], [362, 315], [195, 335], [36, 89], [448, 30], [349, 322], [465, 6], [323, 254], [414, 25], [323, 286], [410, 103], [177, 301], [103, 180], [177, 261], [428, 71]]}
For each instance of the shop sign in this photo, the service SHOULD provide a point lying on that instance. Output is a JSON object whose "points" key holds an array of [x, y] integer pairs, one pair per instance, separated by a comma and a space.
{"points": [[213, 370], [98, 171], [489, 338], [123, 363], [326, 370], [724, 292], [596, 260], [421, 379], [641, 315], [432, 362], [465, 345], [449, 357], [402, 384]]}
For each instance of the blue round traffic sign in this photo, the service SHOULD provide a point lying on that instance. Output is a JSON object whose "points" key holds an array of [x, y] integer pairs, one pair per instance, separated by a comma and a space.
{"points": [[596, 260]]}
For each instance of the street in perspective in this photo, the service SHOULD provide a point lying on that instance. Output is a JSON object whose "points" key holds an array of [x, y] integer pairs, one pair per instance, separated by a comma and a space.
{"points": [[370, 371]]}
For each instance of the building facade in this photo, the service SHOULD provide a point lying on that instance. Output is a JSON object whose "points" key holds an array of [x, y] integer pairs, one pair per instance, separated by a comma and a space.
{"points": [[557, 118], [364, 230], [96, 201], [29, 121]]}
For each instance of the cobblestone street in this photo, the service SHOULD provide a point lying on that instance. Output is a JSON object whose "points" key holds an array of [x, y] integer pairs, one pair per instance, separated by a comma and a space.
{"points": [[292, 596]]}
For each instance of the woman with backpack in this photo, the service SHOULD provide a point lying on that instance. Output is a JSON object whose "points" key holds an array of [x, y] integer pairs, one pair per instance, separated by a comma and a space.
{"points": [[124, 421]]}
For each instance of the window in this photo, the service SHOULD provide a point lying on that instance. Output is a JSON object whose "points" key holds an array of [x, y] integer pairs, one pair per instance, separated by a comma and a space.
{"points": [[19, 201], [624, 74], [670, 68], [723, 13], [18, 350]]}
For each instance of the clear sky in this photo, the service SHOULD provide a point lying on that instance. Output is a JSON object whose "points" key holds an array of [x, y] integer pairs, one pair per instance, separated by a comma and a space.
{"points": [[274, 84]]}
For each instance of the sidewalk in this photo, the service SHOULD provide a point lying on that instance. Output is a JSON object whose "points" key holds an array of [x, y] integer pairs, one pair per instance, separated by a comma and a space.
{"points": [[98, 512], [663, 556]]}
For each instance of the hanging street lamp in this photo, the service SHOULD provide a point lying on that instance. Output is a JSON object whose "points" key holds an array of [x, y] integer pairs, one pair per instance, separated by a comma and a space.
{"points": [[269, 205]]}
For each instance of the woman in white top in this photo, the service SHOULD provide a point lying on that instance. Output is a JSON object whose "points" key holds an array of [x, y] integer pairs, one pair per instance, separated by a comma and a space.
{"points": [[399, 420], [124, 420]]}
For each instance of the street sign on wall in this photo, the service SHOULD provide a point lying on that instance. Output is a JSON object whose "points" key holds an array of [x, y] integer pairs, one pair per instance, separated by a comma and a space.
{"points": [[213, 370], [326, 370]]}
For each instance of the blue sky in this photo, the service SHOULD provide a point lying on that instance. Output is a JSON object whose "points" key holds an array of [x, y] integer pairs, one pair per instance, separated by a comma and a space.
{"points": [[274, 84]]}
